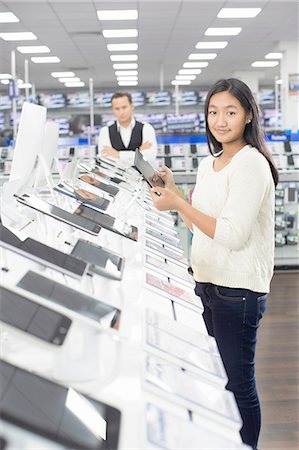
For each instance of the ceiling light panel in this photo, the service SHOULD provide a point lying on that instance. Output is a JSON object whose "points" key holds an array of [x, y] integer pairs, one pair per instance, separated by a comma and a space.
{"points": [[131, 32], [211, 45], [123, 57], [8, 17], [5, 76], [78, 84], [118, 14], [122, 47], [126, 72], [125, 66], [185, 77], [223, 31], [45, 59], [69, 80], [189, 71], [34, 49], [194, 65], [18, 36], [62, 74], [181, 82], [4, 81], [202, 56], [276, 55], [127, 83], [238, 13], [264, 63]]}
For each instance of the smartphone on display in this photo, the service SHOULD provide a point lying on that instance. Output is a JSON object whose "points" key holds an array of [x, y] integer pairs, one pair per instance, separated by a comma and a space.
{"points": [[110, 223], [33, 318], [168, 269], [43, 254], [166, 252], [161, 226], [101, 261], [57, 412], [87, 198], [107, 176], [162, 237], [58, 213], [71, 299], [111, 167], [147, 171]]}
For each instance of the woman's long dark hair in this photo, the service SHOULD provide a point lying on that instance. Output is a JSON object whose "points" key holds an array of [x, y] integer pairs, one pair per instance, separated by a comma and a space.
{"points": [[253, 133]]}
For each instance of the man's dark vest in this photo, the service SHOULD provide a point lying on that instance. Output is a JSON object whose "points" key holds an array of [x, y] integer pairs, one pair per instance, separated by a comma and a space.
{"points": [[135, 141]]}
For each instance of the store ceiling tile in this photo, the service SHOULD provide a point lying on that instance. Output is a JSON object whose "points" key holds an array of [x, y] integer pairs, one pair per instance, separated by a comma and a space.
{"points": [[168, 31]]}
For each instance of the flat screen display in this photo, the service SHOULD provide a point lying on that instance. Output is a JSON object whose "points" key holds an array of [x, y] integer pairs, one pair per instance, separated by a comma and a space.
{"points": [[147, 171], [71, 299], [110, 223], [102, 261], [40, 252], [82, 195], [109, 189], [33, 318], [57, 412], [58, 213]]}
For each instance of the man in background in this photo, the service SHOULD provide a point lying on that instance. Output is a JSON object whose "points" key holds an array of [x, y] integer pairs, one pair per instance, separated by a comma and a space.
{"points": [[125, 135]]}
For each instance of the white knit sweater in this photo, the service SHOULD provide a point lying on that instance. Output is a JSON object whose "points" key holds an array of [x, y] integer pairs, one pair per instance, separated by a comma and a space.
{"points": [[241, 198]]}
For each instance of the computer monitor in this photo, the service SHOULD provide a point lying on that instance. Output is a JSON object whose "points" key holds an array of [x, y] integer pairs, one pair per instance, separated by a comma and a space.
{"points": [[29, 142]]}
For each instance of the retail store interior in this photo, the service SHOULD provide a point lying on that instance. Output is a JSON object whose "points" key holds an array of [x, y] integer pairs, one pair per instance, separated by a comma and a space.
{"points": [[99, 319]]}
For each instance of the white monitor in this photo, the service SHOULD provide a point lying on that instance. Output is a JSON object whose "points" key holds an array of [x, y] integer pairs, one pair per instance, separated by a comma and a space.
{"points": [[47, 153], [29, 142]]}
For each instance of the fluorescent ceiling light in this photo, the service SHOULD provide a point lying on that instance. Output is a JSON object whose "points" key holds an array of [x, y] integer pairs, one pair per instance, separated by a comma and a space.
{"points": [[278, 81], [118, 14], [34, 49], [20, 81], [238, 13], [264, 63], [127, 83], [126, 72], [77, 84], [18, 36], [4, 81], [8, 17], [180, 82], [24, 85], [131, 32], [5, 76], [194, 65], [122, 47], [123, 57], [277, 55], [132, 78], [209, 45], [225, 31], [202, 56], [62, 74], [185, 77], [189, 71], [68, 79], [45, 59], [125, 66]]}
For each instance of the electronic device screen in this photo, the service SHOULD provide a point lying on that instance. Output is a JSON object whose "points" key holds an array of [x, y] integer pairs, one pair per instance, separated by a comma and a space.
{"points": [[162, 237], [193, 148], [82, 304], [161, 250], [33, 318], [108, 222], [108, 188], [102, 261], [100, 164], [168, 269], [292, 197], [86, 197], [58, 213], [57, 412], [290, 160], [147, 171], [39, 252]]}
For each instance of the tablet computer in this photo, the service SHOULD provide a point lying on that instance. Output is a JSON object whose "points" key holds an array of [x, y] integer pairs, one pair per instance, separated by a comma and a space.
{"points": [[101, 261], [85, 197], [57, 412], [58, 213], [147, 171], [81, 304], [43, 254], [23, 313]]}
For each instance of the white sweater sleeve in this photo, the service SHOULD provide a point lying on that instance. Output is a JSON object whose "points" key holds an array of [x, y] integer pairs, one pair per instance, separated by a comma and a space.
{"points": [[247, 187]]}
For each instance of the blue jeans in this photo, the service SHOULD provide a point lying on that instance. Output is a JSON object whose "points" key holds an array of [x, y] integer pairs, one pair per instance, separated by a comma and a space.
{"points": [[232, 316]]}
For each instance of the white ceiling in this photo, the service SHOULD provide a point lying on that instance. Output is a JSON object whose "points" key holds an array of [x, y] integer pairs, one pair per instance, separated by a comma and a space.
{"points": [[167, 33]]}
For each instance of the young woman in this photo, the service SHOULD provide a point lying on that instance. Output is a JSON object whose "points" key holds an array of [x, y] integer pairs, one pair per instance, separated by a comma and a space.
{"points": [[232, 219]]}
